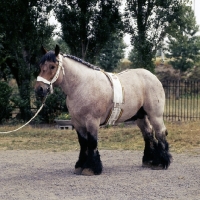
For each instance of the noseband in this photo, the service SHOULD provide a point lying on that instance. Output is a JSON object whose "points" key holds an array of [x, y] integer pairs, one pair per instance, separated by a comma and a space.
{"points": [[50, 83]]}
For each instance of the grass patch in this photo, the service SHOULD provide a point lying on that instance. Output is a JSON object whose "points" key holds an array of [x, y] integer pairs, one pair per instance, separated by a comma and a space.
{"points": [[182, 137]]}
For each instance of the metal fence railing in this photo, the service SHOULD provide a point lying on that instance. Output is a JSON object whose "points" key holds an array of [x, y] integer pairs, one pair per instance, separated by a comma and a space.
{"points": [[182, 100]]}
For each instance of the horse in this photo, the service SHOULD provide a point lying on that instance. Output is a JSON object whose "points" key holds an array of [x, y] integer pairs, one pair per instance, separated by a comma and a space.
{"points": [[89, 98]]}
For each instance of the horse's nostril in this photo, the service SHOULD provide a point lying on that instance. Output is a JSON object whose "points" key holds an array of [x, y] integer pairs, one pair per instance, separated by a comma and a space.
{"points": [[40, 89]]}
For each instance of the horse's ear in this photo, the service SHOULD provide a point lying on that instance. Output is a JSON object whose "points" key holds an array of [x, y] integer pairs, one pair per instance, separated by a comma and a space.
{"points": [[57, 50], [44, 51]]}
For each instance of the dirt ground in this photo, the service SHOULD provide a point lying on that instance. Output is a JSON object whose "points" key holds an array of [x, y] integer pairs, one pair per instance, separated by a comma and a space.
{"points": [[32, 175]]}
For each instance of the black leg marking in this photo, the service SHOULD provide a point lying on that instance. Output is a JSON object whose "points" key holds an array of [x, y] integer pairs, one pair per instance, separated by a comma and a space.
{"points": [[162, 157], [156, 153], [93, 160], [83, 151], [148, 152]]}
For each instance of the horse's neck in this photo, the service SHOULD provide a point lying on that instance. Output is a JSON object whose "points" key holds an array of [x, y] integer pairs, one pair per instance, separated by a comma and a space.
{"points": [[75, 75]]}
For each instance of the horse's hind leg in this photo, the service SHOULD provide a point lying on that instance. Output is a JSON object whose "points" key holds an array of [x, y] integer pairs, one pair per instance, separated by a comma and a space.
{"points": [[156, 151], [149, 140], [162, 157]]}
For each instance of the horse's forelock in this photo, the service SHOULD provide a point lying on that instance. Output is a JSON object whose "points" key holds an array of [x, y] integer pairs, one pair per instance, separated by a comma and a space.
{"points": [[49, 56]]}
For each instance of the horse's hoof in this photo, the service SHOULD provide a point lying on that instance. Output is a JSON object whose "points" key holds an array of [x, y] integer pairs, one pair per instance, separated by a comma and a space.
{"points": [[78, 171], [157, 167], [147, 164], [87, 172]]}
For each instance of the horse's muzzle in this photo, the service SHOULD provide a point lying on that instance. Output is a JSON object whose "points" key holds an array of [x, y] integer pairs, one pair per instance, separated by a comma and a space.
{"points": [[42, 91]]}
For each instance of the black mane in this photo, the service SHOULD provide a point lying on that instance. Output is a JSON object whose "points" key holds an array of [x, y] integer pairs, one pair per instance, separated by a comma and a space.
{"points": [[81, 61], [49, 56]]}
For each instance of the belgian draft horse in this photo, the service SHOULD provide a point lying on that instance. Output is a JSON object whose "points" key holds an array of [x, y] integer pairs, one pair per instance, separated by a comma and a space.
{"points": [[90, 99]]}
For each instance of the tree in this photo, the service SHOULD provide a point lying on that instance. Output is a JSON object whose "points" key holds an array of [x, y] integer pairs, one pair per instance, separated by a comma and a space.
{"points": [[23, 28], [88, 25], [146, 21], [5, 105], [52, 42], [184, 44], [111, 54]]}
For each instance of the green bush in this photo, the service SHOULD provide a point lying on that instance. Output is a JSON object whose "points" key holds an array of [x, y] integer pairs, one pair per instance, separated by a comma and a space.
{"points": [[5, 104], [55, 104], [64, 116]]}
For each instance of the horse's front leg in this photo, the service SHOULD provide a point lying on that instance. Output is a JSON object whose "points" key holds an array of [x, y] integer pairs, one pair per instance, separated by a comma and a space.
{"points": [[93, 164], [83, 153], [89, 162]]}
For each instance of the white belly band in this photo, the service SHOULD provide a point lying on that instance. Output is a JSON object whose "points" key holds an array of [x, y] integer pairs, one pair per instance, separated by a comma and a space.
{"points": [[117, 99]]}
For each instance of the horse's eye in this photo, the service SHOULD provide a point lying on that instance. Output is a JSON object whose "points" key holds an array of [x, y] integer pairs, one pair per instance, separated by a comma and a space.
{"points": [[52, 67]]}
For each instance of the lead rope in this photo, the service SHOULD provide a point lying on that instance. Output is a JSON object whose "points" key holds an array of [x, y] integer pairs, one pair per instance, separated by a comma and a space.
{"points": [[29, 120]]}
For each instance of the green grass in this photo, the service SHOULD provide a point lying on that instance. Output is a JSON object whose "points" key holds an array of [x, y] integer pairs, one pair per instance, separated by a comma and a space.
{"points": [[183, 137]]}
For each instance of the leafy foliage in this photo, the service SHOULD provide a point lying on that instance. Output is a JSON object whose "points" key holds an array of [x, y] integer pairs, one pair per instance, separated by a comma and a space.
{"points": [[146, 21], [184, 44], [23, 27], [111, 54], [88, 25], [64, 116], [59, 41], [54, 105], [5, 104]]}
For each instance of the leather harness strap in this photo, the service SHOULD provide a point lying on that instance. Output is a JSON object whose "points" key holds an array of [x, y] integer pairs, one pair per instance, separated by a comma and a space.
{"points": [[118, 99]]}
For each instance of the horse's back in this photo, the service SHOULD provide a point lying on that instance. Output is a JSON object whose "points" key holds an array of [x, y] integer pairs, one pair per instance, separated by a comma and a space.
{"points": [[141, 81]]}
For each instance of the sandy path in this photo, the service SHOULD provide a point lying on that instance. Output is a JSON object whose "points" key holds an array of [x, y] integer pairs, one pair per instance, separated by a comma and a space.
{"points": [[31, 175]]}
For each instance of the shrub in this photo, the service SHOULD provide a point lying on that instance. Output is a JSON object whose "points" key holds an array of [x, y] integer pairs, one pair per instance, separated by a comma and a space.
{"points": [[5, 104], [55, 104], [64, 116]]}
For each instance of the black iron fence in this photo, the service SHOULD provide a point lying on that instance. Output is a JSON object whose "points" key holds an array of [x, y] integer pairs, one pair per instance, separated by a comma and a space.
{"points": [[182, 100]]}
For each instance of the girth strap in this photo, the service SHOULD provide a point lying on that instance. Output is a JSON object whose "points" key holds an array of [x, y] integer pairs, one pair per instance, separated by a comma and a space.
{"points": [[118, 97]]}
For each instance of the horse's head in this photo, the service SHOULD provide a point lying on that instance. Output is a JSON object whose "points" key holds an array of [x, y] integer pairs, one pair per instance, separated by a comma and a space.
{"points": [[50, 72]]}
